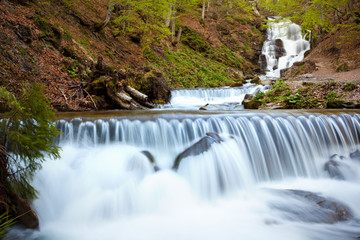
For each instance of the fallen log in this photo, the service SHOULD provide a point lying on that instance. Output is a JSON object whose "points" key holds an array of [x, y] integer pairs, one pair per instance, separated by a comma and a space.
{"points": [[122, 100], [139, 96]]}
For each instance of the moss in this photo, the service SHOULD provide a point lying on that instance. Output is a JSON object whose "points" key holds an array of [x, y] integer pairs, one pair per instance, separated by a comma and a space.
{"points": [[344, 67], [252, 104], [349, 86], [194, 40]]}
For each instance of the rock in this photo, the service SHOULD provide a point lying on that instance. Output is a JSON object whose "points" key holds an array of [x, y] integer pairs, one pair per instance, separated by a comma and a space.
{"points": [[151, 159], [348, 105], [256, 80], [266, 82], [236, 84], [251, 104], [156, 87], [262, 62], [279, 48], [248, 96], [308, 76], [333, 168], [198, 148], [313, 208], [273, 106], [221, 107], [25, 212], [333, 104], [355, 155]]}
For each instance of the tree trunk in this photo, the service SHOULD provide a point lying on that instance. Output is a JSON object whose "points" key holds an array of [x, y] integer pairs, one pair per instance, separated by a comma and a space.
{"points": [[350, 8], [179, 35], [203, 10], [122, 100], [172, 29], [108, 16]]}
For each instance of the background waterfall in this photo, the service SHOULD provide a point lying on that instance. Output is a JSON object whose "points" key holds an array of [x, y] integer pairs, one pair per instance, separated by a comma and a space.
{"points": [[284, 46]]}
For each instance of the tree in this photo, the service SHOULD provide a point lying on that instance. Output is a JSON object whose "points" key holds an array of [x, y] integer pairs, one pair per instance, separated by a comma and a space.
{"points": [[27, 130], [314, 15]]}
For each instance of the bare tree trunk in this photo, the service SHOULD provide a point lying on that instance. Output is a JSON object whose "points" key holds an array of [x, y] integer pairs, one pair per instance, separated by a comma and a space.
{"points": [[172, 29], [108, 16], [168, 19], [178, 38], [350, 8], [203, 10]]}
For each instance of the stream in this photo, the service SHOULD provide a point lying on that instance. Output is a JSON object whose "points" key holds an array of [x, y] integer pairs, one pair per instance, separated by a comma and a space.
{"points": [[241, 174]]}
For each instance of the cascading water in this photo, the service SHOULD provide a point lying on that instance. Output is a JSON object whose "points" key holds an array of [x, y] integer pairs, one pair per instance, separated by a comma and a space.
{"points": [[285, 45], [103, 187], [196, 98]]}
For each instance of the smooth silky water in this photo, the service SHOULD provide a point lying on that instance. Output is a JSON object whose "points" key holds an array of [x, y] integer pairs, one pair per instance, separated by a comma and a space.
{"points": [[103, 187]]}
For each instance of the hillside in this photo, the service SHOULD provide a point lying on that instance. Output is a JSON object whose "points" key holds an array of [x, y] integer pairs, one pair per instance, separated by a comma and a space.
{"points": [[59, 44]]}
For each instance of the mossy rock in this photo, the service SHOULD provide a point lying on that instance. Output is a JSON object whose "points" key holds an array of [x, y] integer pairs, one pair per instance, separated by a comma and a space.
{"points": [[252, 104], [97, 87], [236, 84], [256, 80], [333, 104]]}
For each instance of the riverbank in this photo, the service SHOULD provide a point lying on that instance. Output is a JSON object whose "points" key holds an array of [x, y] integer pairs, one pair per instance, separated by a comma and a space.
{"points": [[57, 44]]}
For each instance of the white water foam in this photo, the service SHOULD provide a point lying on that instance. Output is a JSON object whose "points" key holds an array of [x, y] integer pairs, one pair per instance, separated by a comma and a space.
{"points": [[106, 189], [193, 99]]}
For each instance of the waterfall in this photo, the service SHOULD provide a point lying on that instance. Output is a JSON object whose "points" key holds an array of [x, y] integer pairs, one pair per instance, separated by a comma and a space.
{"points": [[285, 45], [196, 98], [104, 187]]}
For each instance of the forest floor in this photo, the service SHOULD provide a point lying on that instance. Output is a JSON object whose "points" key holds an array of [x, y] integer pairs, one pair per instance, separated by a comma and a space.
{"points": [[54, 43]]}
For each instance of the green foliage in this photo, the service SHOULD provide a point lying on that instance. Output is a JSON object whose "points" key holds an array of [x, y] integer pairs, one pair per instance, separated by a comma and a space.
{"points": [[188, 68], [349, 86], [5, 223], [314, 15], [332, 96], [281, 93], [194, 41], [71, 68], [146, 18], [26, 139]]}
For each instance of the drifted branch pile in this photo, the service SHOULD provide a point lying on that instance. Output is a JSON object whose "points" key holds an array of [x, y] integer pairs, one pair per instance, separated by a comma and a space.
{"points": [[118, 87]]}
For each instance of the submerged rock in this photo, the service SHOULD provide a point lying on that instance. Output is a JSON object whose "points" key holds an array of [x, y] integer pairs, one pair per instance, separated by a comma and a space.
{"points": [[151, 159], [198, 148], [333, 168], [355, 155], [313, 208], [221, 107]]}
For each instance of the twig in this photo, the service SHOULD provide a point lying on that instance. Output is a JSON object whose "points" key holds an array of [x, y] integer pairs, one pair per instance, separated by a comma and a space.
{"points": [[67, 102], [91, 99]]}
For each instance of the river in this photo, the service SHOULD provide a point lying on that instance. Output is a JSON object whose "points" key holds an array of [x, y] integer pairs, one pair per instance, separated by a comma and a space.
{"points": [[116, 177]]}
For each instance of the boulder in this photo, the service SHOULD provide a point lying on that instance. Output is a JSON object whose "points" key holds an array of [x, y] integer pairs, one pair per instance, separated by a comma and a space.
{"points": [[279, 48], [312, 208], [26, 214], [236, 84], [256, 80], [151, 159], [262, 62], [221, 107], [251, 103], [355, 155], [198, 148], [333, 168], [334, 104]]}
